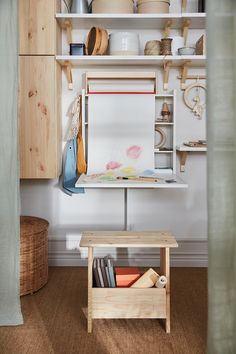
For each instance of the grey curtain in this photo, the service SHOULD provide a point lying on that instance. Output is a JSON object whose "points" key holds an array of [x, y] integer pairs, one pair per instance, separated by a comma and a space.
{"points": [[10, 312], [221, 33]]}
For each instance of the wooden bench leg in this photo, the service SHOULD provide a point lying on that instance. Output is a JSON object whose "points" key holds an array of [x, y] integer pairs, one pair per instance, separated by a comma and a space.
{"points": [[165, 270], [90, 285]]}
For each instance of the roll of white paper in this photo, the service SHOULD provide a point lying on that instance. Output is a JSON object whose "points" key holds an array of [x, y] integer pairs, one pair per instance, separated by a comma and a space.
{"points": [[161, 282]]}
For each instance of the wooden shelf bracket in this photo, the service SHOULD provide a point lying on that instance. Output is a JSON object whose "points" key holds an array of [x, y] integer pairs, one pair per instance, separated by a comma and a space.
{"points": [[166, 69], [183, 155], [185, 29], [68, 27], [184, 6], [167, 28], [69, 74], [184, 74], [189, 77], [183, 158]]}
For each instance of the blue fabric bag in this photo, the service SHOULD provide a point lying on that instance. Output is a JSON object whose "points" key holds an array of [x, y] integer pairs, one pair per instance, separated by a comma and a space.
{"points": [[70, 174]]}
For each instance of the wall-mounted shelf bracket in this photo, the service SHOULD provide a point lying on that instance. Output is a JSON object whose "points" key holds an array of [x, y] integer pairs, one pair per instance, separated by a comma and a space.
{"points": [[183, 158], [68, 28], [183, 152], [69, 74], [166, 68], [185, 29], [167, 28], [184, 6], [184, 74], [190, 77]]}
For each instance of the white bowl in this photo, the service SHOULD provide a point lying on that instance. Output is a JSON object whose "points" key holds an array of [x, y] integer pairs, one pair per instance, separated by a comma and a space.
{"points": [[186, 51], [124, 43]]}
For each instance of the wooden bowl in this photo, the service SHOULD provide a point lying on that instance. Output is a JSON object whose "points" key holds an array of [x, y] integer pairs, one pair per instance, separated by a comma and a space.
{"points": [[97, 41], [104, 42]]}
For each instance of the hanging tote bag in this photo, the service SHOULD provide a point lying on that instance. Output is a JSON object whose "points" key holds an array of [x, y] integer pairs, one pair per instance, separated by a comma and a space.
{"points": [[70, 174], [81, 163]]}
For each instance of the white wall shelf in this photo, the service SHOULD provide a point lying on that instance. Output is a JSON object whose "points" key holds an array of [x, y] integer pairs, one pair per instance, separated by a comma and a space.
{"points": [[163, 123], [104, 60], [132, 21], [183, 152], [133, 184], [162, 95], [184, 148], [166, 157], [86, 123]]}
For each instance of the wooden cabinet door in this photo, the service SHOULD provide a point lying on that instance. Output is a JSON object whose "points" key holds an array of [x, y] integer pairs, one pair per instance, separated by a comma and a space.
{"points": [[39, 92], [37, 27]]}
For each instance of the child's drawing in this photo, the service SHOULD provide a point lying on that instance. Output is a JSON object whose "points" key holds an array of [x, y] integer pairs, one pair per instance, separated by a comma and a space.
{"points": [[134, 152], [120, 134], [112, 165], [129, 170]]}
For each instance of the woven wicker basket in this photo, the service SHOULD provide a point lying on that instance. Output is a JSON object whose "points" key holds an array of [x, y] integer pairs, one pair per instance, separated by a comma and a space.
{"points": [[33, 254]]}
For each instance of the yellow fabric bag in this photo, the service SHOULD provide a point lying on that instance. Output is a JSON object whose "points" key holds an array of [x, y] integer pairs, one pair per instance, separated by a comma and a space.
{"points": [[81, 163]]}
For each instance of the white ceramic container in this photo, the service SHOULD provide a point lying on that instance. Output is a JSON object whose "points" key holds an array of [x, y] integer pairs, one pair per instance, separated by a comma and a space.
{"points": [[186, 51], [124, 43], [113, 6]]}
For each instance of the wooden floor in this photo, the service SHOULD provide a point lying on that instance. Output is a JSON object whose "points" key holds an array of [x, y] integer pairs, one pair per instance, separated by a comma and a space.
{"points": [[55, 321]]}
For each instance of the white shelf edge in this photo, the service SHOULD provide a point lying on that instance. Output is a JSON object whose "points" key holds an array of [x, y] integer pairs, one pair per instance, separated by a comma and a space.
{"points": [[163, 123], [164, 170], [197, 60], [168, 124], [132, 21], [194, 14], [135, 185], [163, 152], [130, 16], [119, 16], [191, 149], [160, 95], [133, 57]]}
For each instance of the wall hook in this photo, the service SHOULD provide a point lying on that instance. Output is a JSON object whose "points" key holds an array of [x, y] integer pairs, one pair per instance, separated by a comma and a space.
{"points": [[69, 74], [166, 68]]}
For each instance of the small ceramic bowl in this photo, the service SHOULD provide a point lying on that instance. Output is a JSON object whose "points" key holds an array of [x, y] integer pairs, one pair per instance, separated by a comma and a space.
{"points": [[186, 51]]}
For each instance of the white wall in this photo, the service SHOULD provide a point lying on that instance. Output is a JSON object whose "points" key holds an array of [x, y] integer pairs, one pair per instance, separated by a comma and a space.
{"points": [[183, 212]]}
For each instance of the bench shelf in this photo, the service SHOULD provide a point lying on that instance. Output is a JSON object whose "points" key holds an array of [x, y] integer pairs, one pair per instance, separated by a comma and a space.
{"points": [[127, 303]]}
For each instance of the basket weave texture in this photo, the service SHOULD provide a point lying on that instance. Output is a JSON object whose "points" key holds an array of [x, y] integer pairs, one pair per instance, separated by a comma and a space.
{"points": [[33, 254]]}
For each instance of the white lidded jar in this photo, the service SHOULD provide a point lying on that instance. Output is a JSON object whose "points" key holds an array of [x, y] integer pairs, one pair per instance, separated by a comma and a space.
{"points": [[124, 43], [113, 6], [153, 6]]}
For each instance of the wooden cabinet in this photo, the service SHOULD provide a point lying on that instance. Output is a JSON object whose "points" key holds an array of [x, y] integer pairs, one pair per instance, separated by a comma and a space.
{"points": [[37, 27], [39, 89], [40, 121]]}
